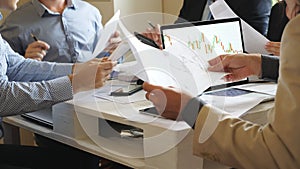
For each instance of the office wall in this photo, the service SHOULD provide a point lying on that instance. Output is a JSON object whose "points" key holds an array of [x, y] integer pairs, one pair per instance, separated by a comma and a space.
{"points": [[172, 6]]}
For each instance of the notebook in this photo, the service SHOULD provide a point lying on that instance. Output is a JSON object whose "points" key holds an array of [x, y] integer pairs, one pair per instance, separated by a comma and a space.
{"points": [[208, 39]]}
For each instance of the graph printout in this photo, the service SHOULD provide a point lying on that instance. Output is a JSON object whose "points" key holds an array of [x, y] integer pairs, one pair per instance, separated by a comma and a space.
{"points": [[208, 40]]}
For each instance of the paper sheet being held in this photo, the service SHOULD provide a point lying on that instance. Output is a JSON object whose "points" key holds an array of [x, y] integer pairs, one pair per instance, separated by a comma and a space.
{"points": [[108, 30], [254, 41], [177, 66]]}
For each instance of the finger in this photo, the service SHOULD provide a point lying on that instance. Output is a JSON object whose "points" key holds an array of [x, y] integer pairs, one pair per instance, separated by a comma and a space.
{"points": [[36, 50], [107, 65], [115, 40], [217, 68], [40, 44], [157, 29], [274, 50], [104, 59], [34, 55], [147, 95], [157, 97], [116, 34], [149, 87], [216, 60]]}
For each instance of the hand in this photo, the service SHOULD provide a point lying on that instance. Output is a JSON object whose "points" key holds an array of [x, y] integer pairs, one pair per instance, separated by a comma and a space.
{"points": [[37, 50], [154, 34], [169, 102], [238, 66], [114, 42], [90, 75], [273, 48]]}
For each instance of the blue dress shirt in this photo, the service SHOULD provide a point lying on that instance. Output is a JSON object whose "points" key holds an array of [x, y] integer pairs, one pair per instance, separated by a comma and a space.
{"points": [[71, 35], [27, 85]]}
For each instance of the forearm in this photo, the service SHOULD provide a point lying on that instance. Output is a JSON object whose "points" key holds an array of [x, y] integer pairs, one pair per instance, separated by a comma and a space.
{"points": [[31, 70], [17, 98]]}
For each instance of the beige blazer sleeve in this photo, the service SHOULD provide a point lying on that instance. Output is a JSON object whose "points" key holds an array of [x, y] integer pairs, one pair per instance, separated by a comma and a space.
{"points": [[241, 144]]}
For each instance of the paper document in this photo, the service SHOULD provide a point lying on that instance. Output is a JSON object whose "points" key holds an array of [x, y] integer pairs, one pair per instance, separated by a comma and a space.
{"points": [[176, 66], [237, 105], [266, 88], [253, 40], [119, 51], [105, 34]]}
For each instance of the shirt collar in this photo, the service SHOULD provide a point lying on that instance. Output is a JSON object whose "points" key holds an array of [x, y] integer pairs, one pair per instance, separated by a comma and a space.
{"points": [[42, 9]]}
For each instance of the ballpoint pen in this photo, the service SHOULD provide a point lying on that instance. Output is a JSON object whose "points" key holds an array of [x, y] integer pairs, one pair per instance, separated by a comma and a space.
{"points": [[152, 26], [34, 37], [146, 40]]}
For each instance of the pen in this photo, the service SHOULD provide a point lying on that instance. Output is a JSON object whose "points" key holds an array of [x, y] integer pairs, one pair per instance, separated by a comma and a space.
{"points": [[152, 26], [146, 40], [34, 37]]}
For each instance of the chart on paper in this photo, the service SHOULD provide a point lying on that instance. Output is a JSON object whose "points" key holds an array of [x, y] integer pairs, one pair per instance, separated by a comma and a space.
{"points": [[208, 40]]}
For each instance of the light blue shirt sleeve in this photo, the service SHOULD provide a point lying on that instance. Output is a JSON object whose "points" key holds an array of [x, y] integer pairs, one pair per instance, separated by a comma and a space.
{"points": [[72, 35], [27, 85]]}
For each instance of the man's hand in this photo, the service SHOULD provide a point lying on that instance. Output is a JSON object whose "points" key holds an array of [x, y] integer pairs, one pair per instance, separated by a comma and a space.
{"points": [[114, 42], [154, 34], [90, 75], [168, 101], [238, 66], [37, 50], [273, 48]]}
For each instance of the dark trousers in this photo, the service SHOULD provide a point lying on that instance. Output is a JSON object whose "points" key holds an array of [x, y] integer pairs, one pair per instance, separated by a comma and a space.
{"points": [[23, 157]]}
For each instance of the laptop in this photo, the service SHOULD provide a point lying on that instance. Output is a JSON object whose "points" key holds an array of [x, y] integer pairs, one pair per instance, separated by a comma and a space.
{"points": [[42, 117], [210, 39]]}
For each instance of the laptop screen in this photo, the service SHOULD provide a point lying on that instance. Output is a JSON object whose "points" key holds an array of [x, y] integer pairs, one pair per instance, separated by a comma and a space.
{"points": [[208, 39]]}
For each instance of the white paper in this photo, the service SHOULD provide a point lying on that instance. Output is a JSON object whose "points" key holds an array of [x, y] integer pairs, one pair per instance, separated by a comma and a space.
{"points": [[176, 66], [254, 41], [266, 88], [105, 34], [119, 51], [237, 105]]}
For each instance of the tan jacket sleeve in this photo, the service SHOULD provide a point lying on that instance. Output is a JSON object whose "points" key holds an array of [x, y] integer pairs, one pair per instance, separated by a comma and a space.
{"points": [[242, 144]]}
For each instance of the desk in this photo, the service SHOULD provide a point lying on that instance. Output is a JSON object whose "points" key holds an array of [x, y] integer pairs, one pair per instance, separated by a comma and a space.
{"points": [[178, 156]]}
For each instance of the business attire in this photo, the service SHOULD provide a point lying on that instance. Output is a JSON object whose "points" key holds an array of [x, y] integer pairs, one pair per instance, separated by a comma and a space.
{"points": [[242, 144], [28, 85], [72, 35], [254, 12], [277, 22]]}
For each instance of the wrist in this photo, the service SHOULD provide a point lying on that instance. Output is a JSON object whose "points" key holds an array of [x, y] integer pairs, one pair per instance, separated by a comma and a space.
{"points": [[190, 112], [256, 64], [73, 67], [71, 80]]}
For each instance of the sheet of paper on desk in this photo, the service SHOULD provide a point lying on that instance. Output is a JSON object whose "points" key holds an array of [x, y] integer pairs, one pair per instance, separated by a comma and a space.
{"points": [[105, 34], [254, 41], [177, 66], [267, 88], [237, 105]]}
